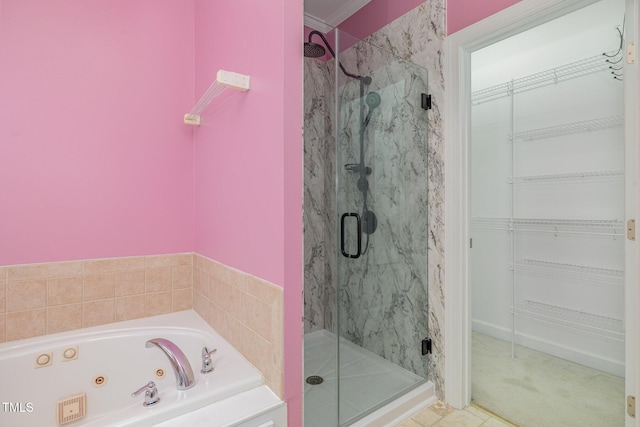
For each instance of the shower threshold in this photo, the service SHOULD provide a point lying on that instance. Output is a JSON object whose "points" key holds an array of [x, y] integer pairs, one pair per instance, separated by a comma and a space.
{"points": [[366, 381]]}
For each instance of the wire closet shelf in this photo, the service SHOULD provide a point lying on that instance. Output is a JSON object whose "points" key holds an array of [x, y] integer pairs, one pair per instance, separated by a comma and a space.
{"points": [[553, 76]]}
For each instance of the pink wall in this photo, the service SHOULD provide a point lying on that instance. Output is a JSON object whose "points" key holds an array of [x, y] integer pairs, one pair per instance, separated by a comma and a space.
{"points": [[248, 155], [462, 13], [94, 159]]}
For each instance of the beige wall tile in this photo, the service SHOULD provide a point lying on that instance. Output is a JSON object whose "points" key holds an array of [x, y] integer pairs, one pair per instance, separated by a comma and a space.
{"points": [[21, 273], [26, 324], [277, 332], [201, 305], [199, 261], [28, 295], [64, 318], [214, 289], [233, 277], [113, 265], [3, 328], [201, 282], [98, 312], [263, 290], [247, 311], [3, 274], [64, 290], [182, 299], [182, 277], [130, 283], [169, 260], [3, 297], [158, 279], [211, 267], [263, 320], [130, 307], [99, 286], [158, 303]]}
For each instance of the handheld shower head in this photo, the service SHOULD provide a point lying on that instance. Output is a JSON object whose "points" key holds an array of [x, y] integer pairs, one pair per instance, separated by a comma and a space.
{"points": [[373, 101]]}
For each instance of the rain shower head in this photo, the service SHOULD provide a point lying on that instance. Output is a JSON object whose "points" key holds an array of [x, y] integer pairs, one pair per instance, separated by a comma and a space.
{"points": [[313, 50]]}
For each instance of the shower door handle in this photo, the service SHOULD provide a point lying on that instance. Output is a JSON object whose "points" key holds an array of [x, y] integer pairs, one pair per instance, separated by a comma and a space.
{"points": [[359, 226]]}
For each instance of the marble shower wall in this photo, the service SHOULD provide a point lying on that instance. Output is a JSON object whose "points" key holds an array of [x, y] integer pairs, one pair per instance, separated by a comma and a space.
{"points": [[397, 287], [319, 197], [418, 37]]}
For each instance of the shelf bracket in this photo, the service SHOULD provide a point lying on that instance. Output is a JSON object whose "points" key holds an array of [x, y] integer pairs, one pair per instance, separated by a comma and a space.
{"points": [[631, 229]]}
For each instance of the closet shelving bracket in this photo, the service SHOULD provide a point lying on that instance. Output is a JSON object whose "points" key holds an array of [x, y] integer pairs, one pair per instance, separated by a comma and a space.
{"points": [[224, 80]]}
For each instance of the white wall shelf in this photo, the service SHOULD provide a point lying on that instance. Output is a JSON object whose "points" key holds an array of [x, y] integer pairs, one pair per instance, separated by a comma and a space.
{"points": [[594, 275], [552, 76], [569, 128], [608, 227], [595, 324]]}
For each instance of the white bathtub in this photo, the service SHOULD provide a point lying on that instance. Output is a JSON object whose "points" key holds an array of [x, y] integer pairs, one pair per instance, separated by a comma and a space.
{"points": [[117, 352]]}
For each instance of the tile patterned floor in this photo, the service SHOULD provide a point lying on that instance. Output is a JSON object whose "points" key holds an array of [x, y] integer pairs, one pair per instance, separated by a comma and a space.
{"points": [[442, 415]]}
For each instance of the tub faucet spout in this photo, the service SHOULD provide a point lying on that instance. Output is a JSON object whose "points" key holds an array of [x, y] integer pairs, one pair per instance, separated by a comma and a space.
{"points": [[179, 362]]}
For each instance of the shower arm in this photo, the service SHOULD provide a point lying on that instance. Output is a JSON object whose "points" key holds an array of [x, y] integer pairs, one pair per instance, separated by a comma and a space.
{"points": [[365, 80]]}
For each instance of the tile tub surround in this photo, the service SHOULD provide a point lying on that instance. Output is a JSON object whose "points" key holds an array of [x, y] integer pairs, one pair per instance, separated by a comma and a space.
{"points": [[246, 311], [40, 299]]}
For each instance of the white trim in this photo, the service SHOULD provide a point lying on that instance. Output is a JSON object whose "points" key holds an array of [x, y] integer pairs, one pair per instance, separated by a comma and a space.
{"points": [[401, 409], [458, 47], [632, 201]]}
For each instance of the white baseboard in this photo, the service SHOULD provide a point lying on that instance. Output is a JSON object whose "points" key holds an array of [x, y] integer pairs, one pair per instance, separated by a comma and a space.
{"points": [[591, 360]]}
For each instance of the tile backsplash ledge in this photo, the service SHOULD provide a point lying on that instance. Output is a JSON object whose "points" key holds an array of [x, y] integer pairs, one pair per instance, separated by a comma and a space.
{"points": [[40, 299]]}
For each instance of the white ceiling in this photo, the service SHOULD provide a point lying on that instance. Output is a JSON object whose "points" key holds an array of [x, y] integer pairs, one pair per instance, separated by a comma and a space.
{"points": [[324, 15], [584, 33]]}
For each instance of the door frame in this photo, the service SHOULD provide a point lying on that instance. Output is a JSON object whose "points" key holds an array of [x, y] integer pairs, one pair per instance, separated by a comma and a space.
{"points": [[457, 73]]}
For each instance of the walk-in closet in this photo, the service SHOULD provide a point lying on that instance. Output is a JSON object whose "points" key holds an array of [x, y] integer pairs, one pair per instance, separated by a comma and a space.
{"points": [[547, 208]]}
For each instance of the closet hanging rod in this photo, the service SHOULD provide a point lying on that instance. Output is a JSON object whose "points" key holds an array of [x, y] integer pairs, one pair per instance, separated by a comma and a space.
{"points": [[224, 80]]}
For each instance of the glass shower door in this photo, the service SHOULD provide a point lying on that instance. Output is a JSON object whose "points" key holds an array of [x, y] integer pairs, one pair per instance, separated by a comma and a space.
{"points": [[381, 193]]}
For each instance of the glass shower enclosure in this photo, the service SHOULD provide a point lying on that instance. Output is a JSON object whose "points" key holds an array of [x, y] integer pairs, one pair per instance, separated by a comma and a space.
{"points": [[366, 313]]}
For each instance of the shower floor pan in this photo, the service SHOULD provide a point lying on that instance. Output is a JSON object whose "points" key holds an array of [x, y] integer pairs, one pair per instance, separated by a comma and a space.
{"points": [[367, 379]]}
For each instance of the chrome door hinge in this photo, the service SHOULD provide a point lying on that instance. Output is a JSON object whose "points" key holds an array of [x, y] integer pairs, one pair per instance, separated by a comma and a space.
{"points": [[470, 243], [631, 53], [631, 406], [631, 229]]}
